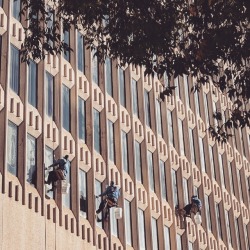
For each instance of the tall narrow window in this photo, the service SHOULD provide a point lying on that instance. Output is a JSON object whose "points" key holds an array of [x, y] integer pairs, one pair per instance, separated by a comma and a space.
{"points": [[138, 161], [128, 227], [231, 177], [246, 236], [121, 74], [135, 98], [237, 231], [222, 177], [16, 8], [108, 76], [1, 3], [174, 187], [66, 107], [141, 225], [228, 227], [111, 141], [211, 157], [12, 148], [113, 222], [185, 190], [206, 109], [190, 245], [50, 24], [81, 52], [125, 152], [14, 69], [191, 144], [167, 238], [49, 98], [147, 108], [186, 89], [240, 184], [170, 127], [178, 242], [66, 38], [32, 83], [31, 170], [81, 119], [98, 191], [67, 197], [154, 233], [163, 180], [208, 213], [158, 117], [83, 193], [95, 67], [151, 170], [48, 159], [181, 137], [218, 219], [97, 131], [177, 87], [202, 155], [214, 110], [197, 103]]}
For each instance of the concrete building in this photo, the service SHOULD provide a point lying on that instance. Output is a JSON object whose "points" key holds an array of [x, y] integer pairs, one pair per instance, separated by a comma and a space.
{"points": [[110, 122]]}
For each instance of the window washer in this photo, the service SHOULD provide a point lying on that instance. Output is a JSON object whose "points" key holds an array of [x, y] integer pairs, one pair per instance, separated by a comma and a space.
{"points": [[60, 172], [112, 193]]}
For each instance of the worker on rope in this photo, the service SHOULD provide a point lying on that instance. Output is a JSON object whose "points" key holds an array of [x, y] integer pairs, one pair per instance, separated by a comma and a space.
{"points": [[60, 172], [112, 194], [194, 207]]}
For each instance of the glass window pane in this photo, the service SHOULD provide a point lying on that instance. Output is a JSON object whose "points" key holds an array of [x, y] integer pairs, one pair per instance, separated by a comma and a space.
{"points": [[48, 159], [141, 225], [83, 193], [228, 227], [16, 8], [66, 108], [12, 148], [97, 131], [167, 238], [191, 144], [202, 155], [98, 191], [197, 103], [174, 187], [122, 87], [111, 141], [178, 242], [14, 69], [154, 234], [108, 76], [113, 222], [81, 52], [147, 108], [170, 127], [186, 89], [138, 161], [185, 191], [95, 69], [32, 83], [181, 137], [211, 157], [237, 230], [221, 170], [217, 211], [66, 38], [158, 117], [135, 98], [163, 180], [125, 151], [31, 160], [67, 197], [81, 119], [151, 171], [208, 214], [128, 222], [49, 98]]}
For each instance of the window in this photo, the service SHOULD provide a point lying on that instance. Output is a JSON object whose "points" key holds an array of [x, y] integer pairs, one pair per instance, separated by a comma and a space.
{"points": [[186, 89], [163, 180], [202, 155], [67, 197], [16, 8], [237, 231], [1, 3], [178, 242], [97, 131], [83, 193], [208, 213], [190, 245], [111, 141], [14, 69], [113, 222], [181, 137], [31, 170], [222, 177], [141, 225], [98, 191], [240, 184], [218, 219], [154, 233], [167, 238], [80, 52], [66, 38], [214, 110], [147, 108], [95, 68], [246, 236], [108, 76], [12, 148], [135, 98], [158, 117], [127, 219], [121, 74], [66, 107], [191, 144], [125, 151], [50, 24], [177, 87], [185, 191], [206, 109], [49, 98], [48, 161], [231, 177], [170, 127], [197, 103], [81, 119], [138, 161], [211, 157], [151, 171], [228, 227], [174, 187], [32, 82]]}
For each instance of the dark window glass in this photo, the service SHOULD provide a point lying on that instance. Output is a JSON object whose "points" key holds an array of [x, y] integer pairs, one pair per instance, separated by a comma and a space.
{"points": [[108, 76], [49, 99], [135, 98], [218, 219], [111, 141], [202, 155], [174, 187], [66, 38], [31, 160], [158, 117], [14, 69], [16, 8], [81, 52], [138, 161], [122, 87], [147, 108], [83, 193], [208, 213], [81, 119], [151, 171], [125, 151], [50, 24], [191, 144], [95, 68], [66, 107], [32, 88], [97, 131], [163, 180], [170, 127]]}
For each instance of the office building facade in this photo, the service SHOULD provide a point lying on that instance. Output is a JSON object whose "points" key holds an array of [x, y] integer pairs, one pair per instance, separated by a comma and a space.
{"points": [[111, 122]]}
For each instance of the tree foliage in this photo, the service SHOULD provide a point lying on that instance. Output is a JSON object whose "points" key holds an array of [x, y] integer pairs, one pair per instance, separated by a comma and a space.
{"points": [[207, 39]]}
